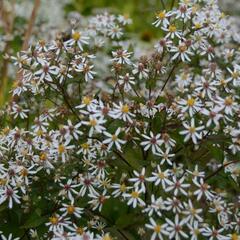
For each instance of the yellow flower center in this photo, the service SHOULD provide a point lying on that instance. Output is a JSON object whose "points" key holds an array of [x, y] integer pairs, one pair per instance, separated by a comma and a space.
{"points": [[157, 228], [107, 237], [43, 156], [70, 209], [80, 230], [93, 122], [123, 188], [24, 172], [161, 175], [161, 15], [114, 137], [125, 109], [228, 101], [3, 182], [172, 28], [134, 194], [235, 75], [192, 130], [190, 102], [39, 132], [198, 25], [235, 236], [85, 146], [53, 220], [182, 48], [86, 100], [61, 148], [76, 36]]}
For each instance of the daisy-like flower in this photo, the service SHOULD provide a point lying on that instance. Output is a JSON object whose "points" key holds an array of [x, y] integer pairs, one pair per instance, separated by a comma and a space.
{"points": [[158, 229], [175, 228], [166, 156], [68, 189], [195, 230], [115, 32], [160, 177], [113, 139], [120, 189], [213, 116], [122, 57], [139, 180], [141, 70], [61, 149], [18, 111], [192, 105], [153, 141], [205, 87], [96, 125], [162, 19], [9, 194], [178, 185], [229, 105], [98, 199], [86, 69], [192, 213], [195, 133], [213, 233], [156, 206], [203, 189], [182, 51], [78, 39], [163, 44], [124, 19], [122, 111], [172, 31], [46, 71], [126, 81], [235, 75], [134, 198], [70, 209]]}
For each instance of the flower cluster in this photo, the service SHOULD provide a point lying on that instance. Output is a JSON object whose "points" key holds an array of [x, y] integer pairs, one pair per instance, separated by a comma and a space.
{"points": [[153, 153]]}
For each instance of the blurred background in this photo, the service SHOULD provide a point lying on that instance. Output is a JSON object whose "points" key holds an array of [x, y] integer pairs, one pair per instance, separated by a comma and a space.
{"points": [[26, 21]]}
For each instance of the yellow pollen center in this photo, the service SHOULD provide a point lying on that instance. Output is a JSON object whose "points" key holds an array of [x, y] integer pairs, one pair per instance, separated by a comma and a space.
{"points": [[53, 220], [162, 15], [157, 229], [76, 36], [235, 75], [190, 102], [114, 137], [80, 230], [192, 129], [172, 28], [161, 175], [125, 109], [135, 194], [182, 48], [61, 148], [43, 156], [85, 146], [123, 188], [70, 209], [86, 100], [228, 101], [93, 122]]}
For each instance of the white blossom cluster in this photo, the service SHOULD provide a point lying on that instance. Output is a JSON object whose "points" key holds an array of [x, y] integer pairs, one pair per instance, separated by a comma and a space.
{"points": [[155, 155]]}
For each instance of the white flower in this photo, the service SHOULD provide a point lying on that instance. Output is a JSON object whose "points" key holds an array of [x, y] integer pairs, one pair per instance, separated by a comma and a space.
{"points": [[77, 39], [175, 228], [10, 195], [113, 139], [153, 142], [158, 229], [134, 198], [192, 132]]}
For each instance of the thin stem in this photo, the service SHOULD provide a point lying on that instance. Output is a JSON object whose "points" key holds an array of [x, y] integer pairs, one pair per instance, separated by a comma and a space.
{"points": [[219, 169]]}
